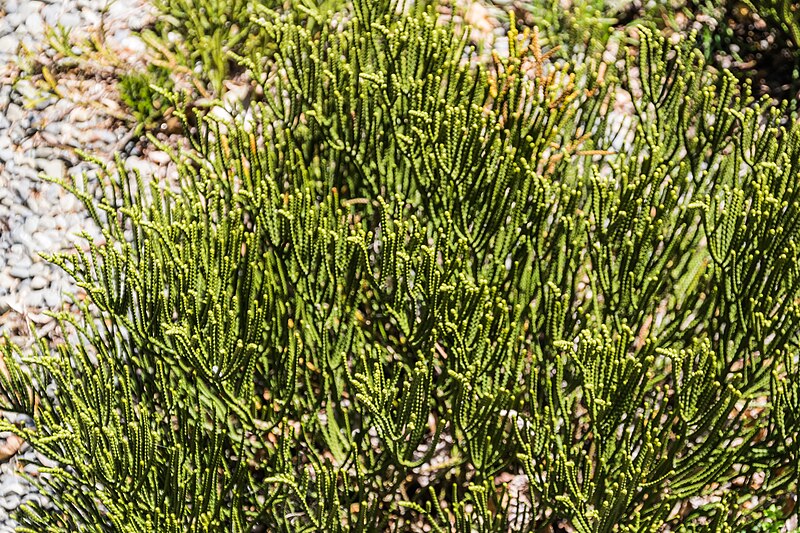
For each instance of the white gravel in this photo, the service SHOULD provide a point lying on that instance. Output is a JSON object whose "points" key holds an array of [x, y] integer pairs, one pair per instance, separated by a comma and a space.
{"points": [[37, 134]]}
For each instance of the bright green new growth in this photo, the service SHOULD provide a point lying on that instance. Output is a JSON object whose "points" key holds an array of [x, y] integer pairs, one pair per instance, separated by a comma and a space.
{"points": [[413, 290]]}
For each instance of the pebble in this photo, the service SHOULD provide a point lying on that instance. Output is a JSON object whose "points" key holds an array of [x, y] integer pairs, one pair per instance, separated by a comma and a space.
{"points": [[80, 114], [53, 299], [35, 24], [15, 487], [26, 89], [8, 44], [133, 44], [162, 158], [30, 8], [9, 502], [52, 13], [39, 282], [14, 113], [52, 167], [15, 19]]}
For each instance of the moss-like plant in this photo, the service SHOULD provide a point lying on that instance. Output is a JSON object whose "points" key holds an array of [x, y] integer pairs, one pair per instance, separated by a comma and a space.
{"points": [[145, 103], [413, 291]]}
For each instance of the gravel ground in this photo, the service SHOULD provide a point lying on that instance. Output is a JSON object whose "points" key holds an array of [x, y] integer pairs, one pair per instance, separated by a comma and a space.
{"points": [[38, 132]]}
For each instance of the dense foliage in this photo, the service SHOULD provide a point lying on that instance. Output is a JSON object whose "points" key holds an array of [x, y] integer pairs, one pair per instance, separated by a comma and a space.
{"points": [[423, 287]]}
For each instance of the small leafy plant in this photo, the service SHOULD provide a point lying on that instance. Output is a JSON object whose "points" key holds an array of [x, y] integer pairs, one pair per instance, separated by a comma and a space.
{"points": [[145, 103]]}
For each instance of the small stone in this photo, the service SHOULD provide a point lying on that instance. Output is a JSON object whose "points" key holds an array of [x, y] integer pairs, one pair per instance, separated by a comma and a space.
{"points": [[70, 20], [47, 223], [91, 18], [97, 135], [45, 461], [44, 243], [33, 300], [31, 224], [37, 268], [120, 10], [20, 270], [52, 167], [23, 188], [39, 282], [80, 114], [9, 503], [54, 127], [52, 14], [53, 299], [33, 203], [15, 487], [49, 138], [30, 8], [9, 44], [14, 112], [22, 211], [35, 24], [68, 203], [34, 498], [15, 20], [133, 44], [162, 158], [41, 105]]}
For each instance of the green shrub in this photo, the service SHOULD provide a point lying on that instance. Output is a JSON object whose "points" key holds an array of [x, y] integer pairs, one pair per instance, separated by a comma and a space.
{"points": [[417, 292], [194, 44]]}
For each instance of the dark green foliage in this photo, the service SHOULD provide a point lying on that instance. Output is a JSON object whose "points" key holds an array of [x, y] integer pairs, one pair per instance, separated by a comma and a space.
{"points": [[146, 104], [415, 291]]}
